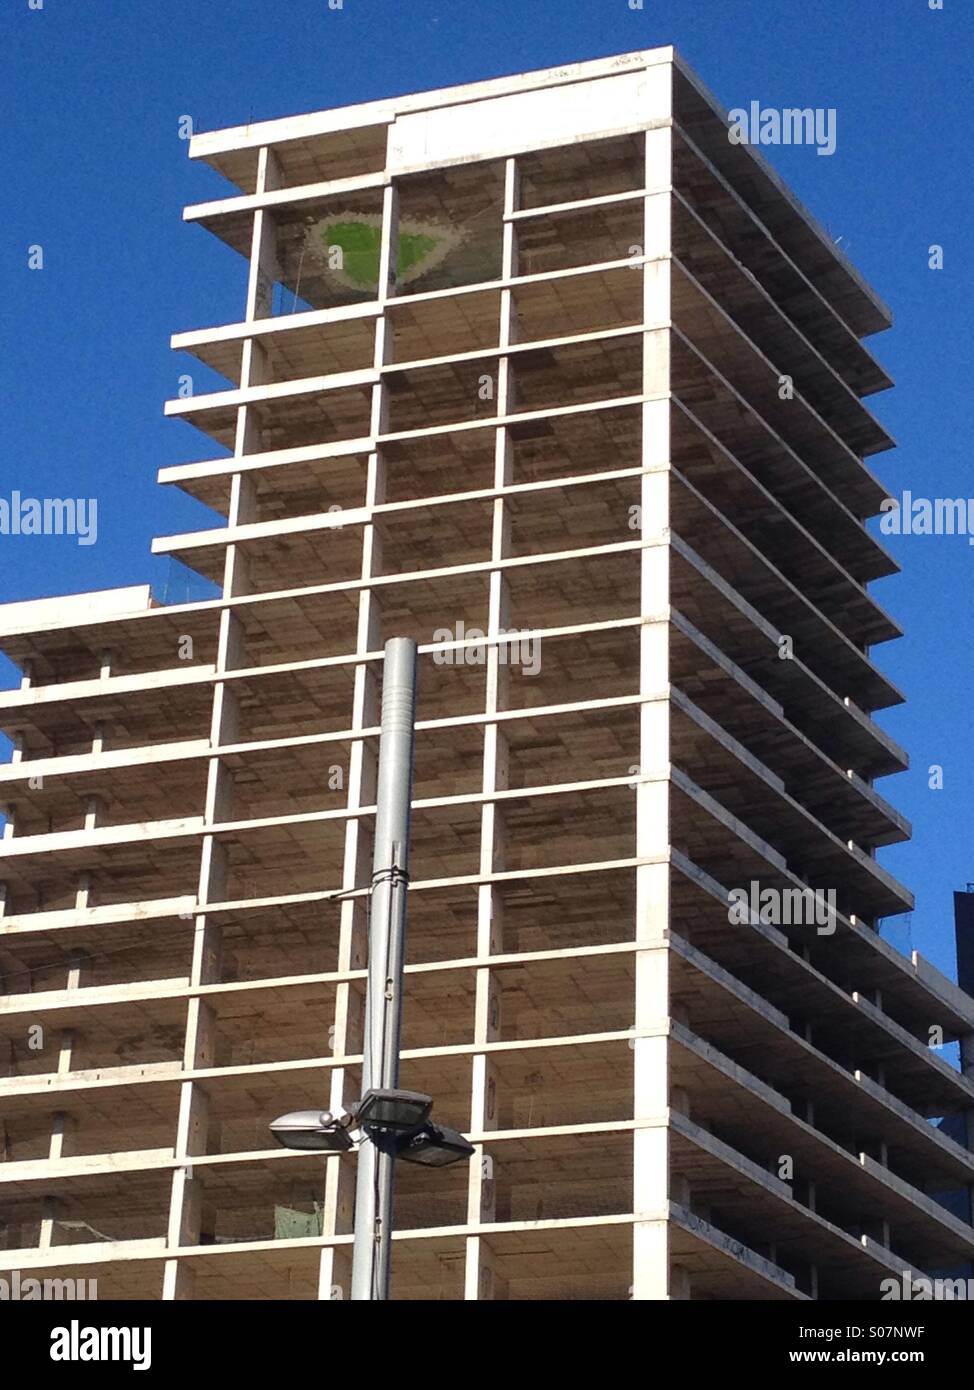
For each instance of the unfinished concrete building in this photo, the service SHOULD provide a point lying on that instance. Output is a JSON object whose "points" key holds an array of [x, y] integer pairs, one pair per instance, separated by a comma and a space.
{"points": [[551, 375]]}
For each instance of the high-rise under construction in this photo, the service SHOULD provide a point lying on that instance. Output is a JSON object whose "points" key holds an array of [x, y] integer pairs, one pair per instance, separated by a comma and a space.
{"points": [[554, 376]]}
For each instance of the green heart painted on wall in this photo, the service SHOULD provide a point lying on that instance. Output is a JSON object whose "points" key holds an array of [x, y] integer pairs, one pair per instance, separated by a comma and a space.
{"points": [[349, 244]]}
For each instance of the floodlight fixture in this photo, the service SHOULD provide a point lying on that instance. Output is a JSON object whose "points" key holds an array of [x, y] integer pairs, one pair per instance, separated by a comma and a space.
{"points": [[318, 1130], [400, 1111], [435, 1146]]}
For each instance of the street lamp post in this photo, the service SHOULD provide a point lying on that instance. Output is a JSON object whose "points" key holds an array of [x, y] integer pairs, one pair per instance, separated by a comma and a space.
{"points": [[387, 933], [393, 1123]]}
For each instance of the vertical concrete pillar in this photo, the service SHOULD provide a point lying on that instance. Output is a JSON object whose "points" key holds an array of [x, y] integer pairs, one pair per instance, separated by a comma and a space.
{"points": [[480, 1277], [334, 1272], [650, 1275]]}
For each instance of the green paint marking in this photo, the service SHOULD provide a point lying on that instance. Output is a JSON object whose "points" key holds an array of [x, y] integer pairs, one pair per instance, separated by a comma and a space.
{"points": [[361, 245]]}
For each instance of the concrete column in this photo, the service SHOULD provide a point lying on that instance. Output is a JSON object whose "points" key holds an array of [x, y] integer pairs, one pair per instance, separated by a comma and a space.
{"points": [[264, 269], [334, 1269], [185, 1206], [480, 1280], [651, 1195]]}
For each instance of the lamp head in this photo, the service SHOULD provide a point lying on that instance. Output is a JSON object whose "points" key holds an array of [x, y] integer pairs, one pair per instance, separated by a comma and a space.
{"points": [[400, 1111], [434, 1146], [317, 1130]]}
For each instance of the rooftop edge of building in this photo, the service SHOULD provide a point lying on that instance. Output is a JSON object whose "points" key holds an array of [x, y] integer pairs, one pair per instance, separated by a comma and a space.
{"points": [[865, 311], [63, 610]]}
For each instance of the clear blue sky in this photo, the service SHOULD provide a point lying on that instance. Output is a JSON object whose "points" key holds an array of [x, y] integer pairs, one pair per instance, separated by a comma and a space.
{"points": [[91, 95]]}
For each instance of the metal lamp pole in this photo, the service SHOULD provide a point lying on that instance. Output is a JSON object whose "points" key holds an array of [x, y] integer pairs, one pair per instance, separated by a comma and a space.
{"points": [[387, 928]]}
